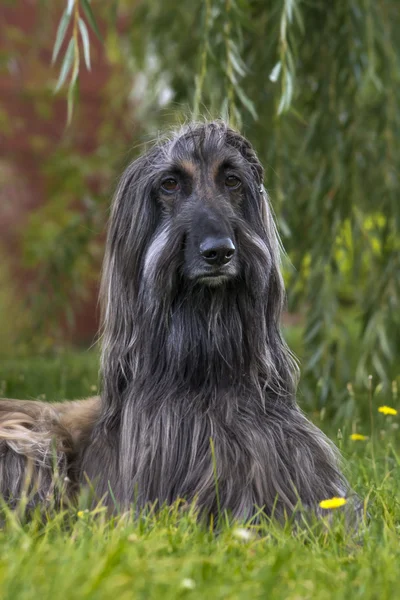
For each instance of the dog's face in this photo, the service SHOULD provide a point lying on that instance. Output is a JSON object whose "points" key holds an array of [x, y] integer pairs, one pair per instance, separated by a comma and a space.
{"points": [[207, 185], [204, 196]]}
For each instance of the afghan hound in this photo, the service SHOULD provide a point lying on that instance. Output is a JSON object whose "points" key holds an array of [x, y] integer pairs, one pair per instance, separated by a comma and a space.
{"points": [[198, 387]]}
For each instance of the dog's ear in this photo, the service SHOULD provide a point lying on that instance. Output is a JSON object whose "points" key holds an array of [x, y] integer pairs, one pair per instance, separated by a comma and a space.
{"points": [[133, 220], [233, 138], [258, 213], [260, 216]]}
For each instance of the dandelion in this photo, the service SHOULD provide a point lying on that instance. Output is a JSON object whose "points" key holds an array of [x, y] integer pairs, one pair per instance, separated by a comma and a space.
{"points": [[188, 584], [243, 534], [358, 437], [387, 410], [333, 503], [80, 514]]}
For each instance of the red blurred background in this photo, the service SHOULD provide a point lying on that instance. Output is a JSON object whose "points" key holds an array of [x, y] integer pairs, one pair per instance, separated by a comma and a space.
{"points": [[33, 131]]}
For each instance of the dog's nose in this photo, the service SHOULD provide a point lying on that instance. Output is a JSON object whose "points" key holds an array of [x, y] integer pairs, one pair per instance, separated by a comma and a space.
{"points": [[217, 251]]}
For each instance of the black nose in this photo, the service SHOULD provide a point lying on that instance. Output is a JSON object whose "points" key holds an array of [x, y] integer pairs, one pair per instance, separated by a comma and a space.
{"points": [[217, 251]]}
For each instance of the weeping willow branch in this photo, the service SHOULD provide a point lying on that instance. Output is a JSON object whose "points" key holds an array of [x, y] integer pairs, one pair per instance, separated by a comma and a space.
{"points": [[200, 79], [229, 68], [70, 65]]}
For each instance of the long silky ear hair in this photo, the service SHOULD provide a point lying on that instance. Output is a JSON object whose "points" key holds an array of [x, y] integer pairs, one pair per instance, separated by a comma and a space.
{"points": [[133, 220], [285, 372]]}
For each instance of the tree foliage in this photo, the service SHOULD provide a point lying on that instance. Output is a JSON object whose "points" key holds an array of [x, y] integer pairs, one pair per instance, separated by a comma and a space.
{"points": [[316, 89]]}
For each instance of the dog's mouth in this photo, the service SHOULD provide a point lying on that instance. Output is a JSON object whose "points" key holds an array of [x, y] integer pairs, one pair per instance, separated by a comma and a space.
{"points": [[215, 277]]}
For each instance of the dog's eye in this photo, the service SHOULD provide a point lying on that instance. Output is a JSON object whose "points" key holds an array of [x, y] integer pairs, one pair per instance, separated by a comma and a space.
{"points": [[170, 185], [232, 182]]}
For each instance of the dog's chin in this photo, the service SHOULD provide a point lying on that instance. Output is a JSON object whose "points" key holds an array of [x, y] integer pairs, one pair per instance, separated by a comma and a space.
{"points": [[213, 278]]}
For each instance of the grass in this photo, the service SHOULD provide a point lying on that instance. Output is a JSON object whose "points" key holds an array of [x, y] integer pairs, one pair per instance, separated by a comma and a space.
{"points": [[67, 376], [168, 555]]}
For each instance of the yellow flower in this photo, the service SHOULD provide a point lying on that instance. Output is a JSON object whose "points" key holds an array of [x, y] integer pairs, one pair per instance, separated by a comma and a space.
{"points": [[333, 503], [387, 410], [358, 436], [80, 514]]}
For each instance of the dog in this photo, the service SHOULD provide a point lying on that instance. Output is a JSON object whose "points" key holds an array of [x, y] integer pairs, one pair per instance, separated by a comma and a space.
{"points": [[198, 388]]}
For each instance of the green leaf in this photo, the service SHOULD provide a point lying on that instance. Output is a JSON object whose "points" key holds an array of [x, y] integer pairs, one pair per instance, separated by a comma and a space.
{"points": [[289, 9], [85, 41], [384, 343], [379, 367], [315, 329], [73, 87], [70, 102], [287, 93], [247, 103], [90, 17], [62, 28], [315, 358], [282, 104], [67, 64], [274, 75], [237, 62], [289, 88], [298, 17], [236, 65]]}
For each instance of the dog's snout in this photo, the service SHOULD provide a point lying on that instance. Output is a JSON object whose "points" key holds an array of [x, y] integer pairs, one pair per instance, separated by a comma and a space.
{"points": [[217, 251]]}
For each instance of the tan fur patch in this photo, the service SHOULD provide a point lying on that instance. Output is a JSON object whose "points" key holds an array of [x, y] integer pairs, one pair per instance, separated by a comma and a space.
{"points": [[36, 428]]}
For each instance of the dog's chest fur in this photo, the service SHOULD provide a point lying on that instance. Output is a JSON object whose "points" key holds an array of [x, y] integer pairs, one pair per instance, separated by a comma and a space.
{"points": [[230, 456]]}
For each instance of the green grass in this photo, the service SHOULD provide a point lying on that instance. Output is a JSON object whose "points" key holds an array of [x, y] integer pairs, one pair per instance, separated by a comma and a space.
{"points": [[168, 555], [67, 376]]}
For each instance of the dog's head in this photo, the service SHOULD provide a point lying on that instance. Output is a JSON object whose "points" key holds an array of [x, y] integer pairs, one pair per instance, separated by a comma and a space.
{"points": [[205, 184], [194, 206]]}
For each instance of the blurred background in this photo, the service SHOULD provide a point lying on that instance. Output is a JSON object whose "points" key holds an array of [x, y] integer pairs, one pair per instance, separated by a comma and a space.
{"points": [[84, 85]]}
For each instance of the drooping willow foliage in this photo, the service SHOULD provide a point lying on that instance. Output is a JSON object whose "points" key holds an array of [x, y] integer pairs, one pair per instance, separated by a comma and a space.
{"points": [[316, 87]]}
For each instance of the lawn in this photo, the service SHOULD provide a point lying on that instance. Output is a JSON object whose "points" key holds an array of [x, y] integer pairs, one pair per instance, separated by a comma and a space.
{"points": [[82, 554]]}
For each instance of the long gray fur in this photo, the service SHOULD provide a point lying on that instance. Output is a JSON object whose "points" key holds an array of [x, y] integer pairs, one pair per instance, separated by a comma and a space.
{"points": [[185, 363]]}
